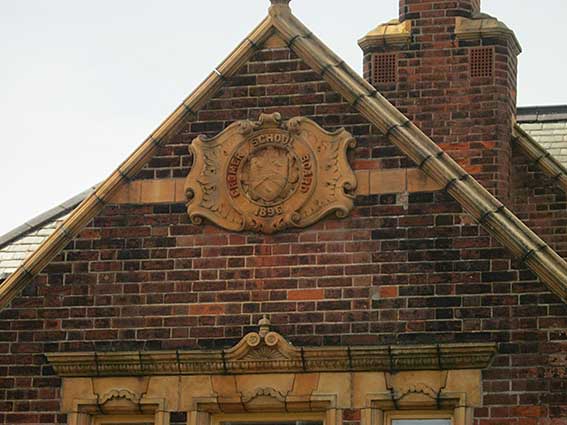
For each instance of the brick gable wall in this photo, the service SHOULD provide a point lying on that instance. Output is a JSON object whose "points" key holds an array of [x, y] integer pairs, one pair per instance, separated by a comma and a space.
{"points": [[402, 269], [540, 202]]}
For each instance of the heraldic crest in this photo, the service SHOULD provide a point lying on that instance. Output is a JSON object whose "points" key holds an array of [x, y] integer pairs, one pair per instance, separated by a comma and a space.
{"points": [[270, 175]]}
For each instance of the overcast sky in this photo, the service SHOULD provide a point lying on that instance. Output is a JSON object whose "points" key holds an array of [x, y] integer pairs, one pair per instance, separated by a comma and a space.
{"points": [[82, 83]]}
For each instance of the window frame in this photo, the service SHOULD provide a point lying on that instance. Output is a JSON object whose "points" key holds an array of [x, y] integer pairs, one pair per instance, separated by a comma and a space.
{"points": [[424, 415], [276, 417], [123, 420]]}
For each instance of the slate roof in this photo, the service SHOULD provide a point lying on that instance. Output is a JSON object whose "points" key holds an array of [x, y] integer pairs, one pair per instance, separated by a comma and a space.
{"points": [[547, 125], [13, 254], [18, 244]]}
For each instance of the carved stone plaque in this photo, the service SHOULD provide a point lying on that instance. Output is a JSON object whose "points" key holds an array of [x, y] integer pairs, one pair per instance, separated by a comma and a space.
{"points": [[270, 175]]}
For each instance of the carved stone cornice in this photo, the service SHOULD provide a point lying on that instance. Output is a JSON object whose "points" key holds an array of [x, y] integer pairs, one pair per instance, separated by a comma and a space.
{"points": [[269, 352]]}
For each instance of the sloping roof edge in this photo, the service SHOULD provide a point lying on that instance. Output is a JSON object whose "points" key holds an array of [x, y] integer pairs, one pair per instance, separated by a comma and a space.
{"points": [[490, 213], [474, 198], [548, 113], [546, 162], [42, 219], [96, 201]]}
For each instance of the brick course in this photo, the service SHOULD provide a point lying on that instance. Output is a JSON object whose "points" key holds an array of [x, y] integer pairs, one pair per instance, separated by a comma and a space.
{"points": [[423, 9]]}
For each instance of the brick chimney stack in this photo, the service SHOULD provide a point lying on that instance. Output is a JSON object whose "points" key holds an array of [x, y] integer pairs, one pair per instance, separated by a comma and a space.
{"points": [[416, 9], [452, 70]]}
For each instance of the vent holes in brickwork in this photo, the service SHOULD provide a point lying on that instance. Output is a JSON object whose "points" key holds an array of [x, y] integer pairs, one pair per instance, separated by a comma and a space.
{"points": [[384, 68], [482, 62]]}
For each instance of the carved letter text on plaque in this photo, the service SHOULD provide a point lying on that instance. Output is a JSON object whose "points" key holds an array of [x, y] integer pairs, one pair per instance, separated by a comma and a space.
{"points": [[270, 175]]}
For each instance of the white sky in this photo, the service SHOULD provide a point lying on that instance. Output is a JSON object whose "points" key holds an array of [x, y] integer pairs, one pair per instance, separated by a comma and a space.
{"points": [[82, 83]]}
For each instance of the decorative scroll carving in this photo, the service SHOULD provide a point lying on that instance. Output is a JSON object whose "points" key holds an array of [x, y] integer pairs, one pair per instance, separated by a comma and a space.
{"points": [[116, 404], [452, 393], [269, 352], [270, 175], [262, 347], [420, 388], [263, 392], [120, 394]]}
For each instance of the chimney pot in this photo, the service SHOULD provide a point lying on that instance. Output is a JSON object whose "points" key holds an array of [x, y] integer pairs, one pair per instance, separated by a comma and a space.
{"points": [[413, 9]]}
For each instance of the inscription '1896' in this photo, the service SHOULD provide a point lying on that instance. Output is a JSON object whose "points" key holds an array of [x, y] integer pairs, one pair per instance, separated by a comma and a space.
{"points": [[269, 211]]}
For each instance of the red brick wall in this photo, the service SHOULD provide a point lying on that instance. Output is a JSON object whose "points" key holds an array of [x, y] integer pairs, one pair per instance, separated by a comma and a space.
{"points": [[402, 269], [540, 202]]}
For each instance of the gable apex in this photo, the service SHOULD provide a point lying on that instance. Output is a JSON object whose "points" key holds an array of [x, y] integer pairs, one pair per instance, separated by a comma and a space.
{"points": [[500, 222]]}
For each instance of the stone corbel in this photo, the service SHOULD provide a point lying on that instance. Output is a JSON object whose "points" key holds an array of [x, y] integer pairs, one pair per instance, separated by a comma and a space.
{"points": [[265, 400], [455, 393], [421, 392], [234, 397], [119, 402], [262, 400]]}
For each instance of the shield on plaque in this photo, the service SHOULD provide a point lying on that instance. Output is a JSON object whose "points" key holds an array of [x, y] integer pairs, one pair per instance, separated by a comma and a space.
{"points": [[269, 175]]}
